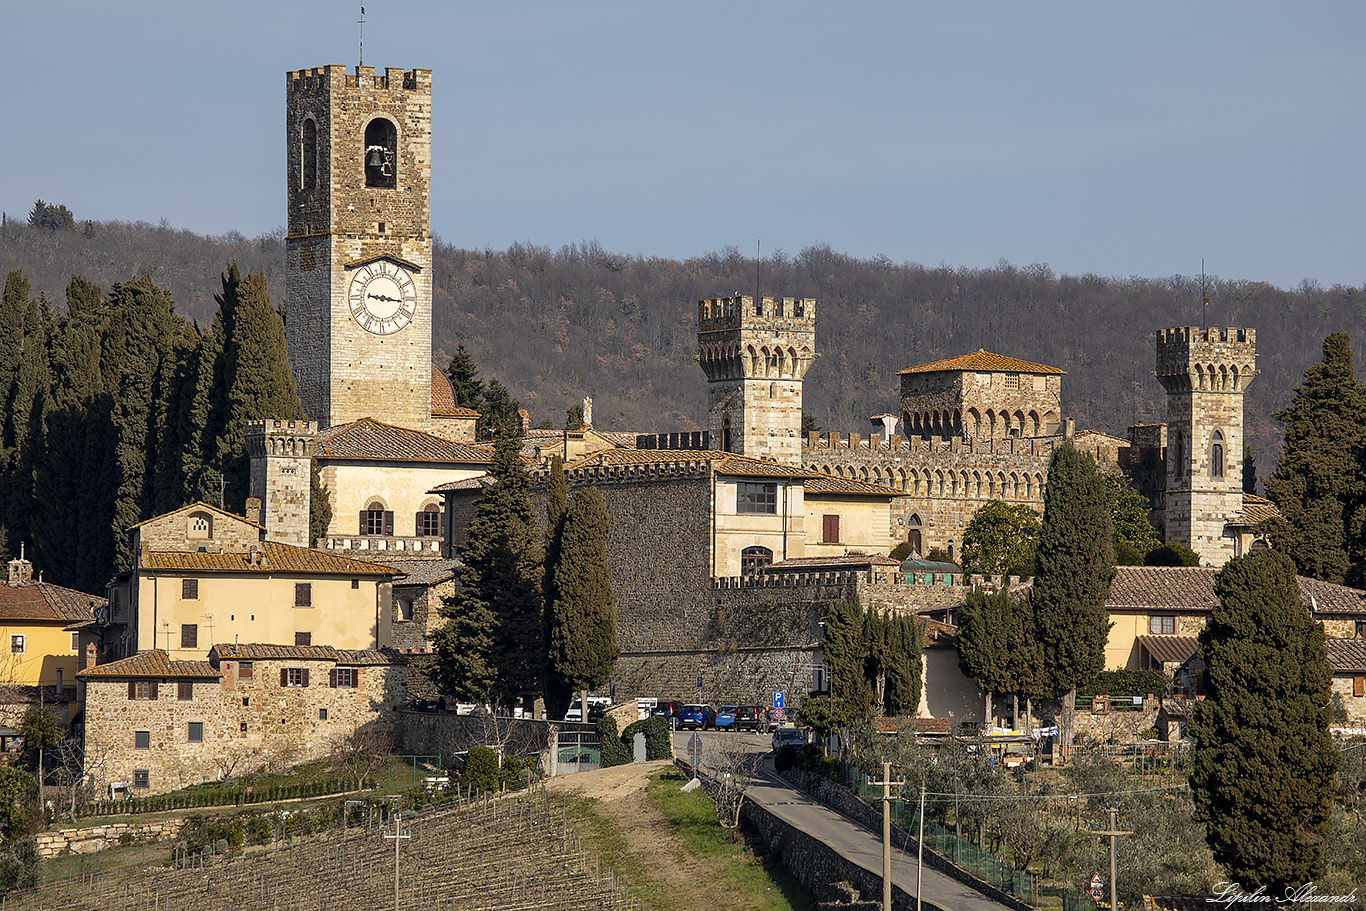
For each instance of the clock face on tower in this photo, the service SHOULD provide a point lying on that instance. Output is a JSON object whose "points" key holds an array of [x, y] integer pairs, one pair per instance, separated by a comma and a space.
{"points": [[382, 297]]}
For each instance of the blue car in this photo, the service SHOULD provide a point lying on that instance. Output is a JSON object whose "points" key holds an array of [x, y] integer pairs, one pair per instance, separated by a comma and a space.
{"points": [[696, 717], [725, 718]]}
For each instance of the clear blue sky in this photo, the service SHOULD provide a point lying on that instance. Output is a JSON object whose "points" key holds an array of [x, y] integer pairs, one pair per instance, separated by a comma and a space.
{"points": [[1120, 139]]}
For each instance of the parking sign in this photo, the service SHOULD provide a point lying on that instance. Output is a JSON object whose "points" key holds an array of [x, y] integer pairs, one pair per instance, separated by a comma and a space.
{"points": [[778, 702]]}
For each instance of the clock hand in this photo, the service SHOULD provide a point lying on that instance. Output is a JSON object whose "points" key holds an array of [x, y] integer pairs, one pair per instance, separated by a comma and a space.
{"points": [[384, 297]]}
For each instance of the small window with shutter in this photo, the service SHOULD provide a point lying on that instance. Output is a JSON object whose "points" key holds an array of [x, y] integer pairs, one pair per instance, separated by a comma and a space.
{"points": [[189, 589], [1359, 686], [830, 529], [189, 635], [303, 594], [244, 669], [184, 690], [142, 689], [345, 677], [303, 640], [293, 676]]}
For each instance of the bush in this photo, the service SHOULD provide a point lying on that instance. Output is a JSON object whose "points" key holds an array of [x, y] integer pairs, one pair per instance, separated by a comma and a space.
{"points": [[807, 758], [258, 831], [658, 744], [1172, 555], [512, 773], [236, 834], [327, 816], [1125, 683], [21, 867], [614, 752], [481, 769]]}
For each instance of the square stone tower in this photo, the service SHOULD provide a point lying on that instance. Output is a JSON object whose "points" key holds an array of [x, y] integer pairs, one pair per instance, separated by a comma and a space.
{"points": [[1205, 372], [755, 355], [281, 454], [358, 290]]}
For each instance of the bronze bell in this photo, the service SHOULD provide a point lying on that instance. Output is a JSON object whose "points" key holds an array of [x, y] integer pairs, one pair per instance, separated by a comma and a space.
{"points": [[375, 159]]}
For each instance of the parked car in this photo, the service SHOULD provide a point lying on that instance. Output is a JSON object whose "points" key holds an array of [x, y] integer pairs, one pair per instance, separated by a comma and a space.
{"points": [[752, 718], [696, 717], [669, 710], [783, 737], [596, 706], [725, 718]]}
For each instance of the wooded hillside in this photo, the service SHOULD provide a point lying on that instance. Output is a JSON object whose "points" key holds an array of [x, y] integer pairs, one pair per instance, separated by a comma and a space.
{"points": [[555, 326]]}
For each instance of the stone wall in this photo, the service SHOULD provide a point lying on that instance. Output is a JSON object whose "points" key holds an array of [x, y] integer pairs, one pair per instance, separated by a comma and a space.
{"points": [[183, 531], [447, 734], [425, 617], [1344, 685], [246, 722], [89, 839], [281, 477]]}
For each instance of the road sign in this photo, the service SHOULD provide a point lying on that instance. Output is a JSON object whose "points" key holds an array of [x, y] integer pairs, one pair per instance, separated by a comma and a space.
{"points": [[779, 715], [699, 681], [778, 700], [1097, 887]]}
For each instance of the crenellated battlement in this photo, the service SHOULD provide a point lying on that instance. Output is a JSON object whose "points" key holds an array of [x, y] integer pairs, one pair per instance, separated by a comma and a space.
{"points": [[328, 78], [724, 313], [627, 474], [1217, 359], [1186, 335]]}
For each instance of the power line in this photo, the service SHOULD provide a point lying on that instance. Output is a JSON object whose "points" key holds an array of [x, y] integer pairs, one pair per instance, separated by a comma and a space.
{"points": [[949, 794]]}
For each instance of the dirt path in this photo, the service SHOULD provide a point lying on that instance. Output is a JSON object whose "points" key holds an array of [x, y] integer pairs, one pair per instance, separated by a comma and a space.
{"points": [[685, 881]]}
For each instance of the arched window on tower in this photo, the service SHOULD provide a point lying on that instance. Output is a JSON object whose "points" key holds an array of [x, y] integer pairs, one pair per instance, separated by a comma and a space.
{"points": [[381, 154], [308, 156], [725, 434], [1180, 453], [754, 559], [1216, 456]]}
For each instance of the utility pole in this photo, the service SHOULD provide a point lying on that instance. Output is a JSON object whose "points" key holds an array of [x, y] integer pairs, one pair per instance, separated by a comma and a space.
{"points": [[398, 817], [920, 851], [887, 783], [1114, 833]]}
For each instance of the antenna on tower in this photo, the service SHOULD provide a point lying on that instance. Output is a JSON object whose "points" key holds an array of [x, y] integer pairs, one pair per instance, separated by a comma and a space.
{"points": [[361, 20], [758, 300], [1204, 295]]}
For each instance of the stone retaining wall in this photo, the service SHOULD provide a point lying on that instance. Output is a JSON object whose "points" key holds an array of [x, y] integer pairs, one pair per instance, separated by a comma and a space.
{"points": [[90, 839]]}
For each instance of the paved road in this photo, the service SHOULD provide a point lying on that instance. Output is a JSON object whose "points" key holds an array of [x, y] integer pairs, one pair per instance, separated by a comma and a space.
{"points": [[848, 838]]}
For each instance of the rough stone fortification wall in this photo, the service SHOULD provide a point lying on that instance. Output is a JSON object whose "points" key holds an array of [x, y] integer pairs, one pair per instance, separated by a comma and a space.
{"points": [[89, 839], [426, 602], [447, 734]]}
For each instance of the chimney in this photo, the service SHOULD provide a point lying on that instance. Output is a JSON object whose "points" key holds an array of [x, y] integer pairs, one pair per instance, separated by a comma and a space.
{"points": [[20, 570], [523, 422], [1070, 428], [254, 510], [587, 411], [91, 658], [253, 555]]}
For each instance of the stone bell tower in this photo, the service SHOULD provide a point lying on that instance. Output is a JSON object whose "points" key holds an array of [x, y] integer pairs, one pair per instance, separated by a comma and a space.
{"points": [[1205, 373], [358, 291], [755, 355]]}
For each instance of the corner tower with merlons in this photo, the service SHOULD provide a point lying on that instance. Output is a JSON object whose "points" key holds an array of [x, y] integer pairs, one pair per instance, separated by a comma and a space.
{"points": [[1205, 373], [359, 280], [755, 354]]}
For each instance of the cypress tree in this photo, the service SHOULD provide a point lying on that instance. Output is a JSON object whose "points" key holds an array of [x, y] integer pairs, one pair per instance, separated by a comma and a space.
{"points": [[983, 641], [1074, 563], [465, 382], [25, 419], [491, 643], [259, 384], [903, 671], [1318, 484], [1264, 770], [583, 636], [319, 505], [845, 656], [13, 306], [558, 692]]}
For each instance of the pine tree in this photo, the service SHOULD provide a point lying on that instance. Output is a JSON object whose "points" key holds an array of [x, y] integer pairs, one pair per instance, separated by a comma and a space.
{"points": [[583, 637], [1265, 764], [491, 644], [465, 382], [1319, 485], [1074, 564]]}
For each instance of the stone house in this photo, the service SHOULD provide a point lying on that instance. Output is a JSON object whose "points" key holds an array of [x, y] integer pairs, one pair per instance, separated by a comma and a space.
{"points": [[203, 575], [154, 723], [1347, 657], [417, 598]]}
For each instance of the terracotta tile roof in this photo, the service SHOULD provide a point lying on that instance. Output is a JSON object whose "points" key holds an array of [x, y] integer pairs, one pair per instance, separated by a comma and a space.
{"points": [[196, 507], [258, 651], [722, 462], [842, 562], [1255, 511], [1347, 655], [1169, 648], [932, 726], [43, 602], [153, 663], [983, 361], [938, 634], [425, 572], [828, 484], [1099, 435], [1191, 588], [369, 657], [372, 440], [476, 483], [274, 558]]}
